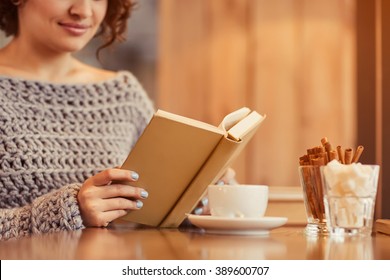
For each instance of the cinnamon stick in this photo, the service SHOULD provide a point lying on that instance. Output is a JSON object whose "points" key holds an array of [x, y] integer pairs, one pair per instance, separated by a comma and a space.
{"points": [[358, 153], [332, 155], [310, 185], [340, 154], [348, 156]]}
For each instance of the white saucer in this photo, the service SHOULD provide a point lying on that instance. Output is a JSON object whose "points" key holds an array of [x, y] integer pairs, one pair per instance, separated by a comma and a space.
{"points": [[236, 226]]}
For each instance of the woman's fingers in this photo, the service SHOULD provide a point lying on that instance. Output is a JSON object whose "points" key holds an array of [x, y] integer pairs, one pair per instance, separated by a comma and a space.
{"points": [[107, 176], [99, 212], [110, 216], [119, 190], [115, 208], [102, 200], [202, 207], [228, 178], [102, 219], [120, 203]]}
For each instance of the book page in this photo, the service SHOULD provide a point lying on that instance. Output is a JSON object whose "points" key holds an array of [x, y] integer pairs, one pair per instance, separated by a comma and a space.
{"points": [[233, 118], [240, 129], [188, 121]]}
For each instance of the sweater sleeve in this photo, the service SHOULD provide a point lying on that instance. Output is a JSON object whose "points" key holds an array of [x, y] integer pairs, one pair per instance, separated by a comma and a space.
{"points": [[55, 211]]}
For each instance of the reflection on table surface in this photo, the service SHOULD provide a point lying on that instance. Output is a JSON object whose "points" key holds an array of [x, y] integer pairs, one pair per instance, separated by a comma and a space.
{"points": [[126, 242]]}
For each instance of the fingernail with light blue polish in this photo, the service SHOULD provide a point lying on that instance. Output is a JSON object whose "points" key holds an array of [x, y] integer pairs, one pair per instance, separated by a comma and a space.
{"points": [[220, 183], [139, 204], [144, 194], [205, 201], [134, 176], [198, 211]]}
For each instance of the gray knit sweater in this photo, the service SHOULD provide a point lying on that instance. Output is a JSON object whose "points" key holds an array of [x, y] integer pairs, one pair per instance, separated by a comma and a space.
{"points": [[53, 137]]}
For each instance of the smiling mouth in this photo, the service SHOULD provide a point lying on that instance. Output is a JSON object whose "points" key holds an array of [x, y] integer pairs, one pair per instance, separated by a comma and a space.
{"points": [[74, 28]]}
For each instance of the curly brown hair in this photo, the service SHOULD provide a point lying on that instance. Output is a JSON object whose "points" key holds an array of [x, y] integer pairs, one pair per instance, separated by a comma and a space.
{"points": [[112, 28]]}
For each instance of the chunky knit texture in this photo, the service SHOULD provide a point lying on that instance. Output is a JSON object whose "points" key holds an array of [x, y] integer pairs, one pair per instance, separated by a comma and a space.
{"points": [[53, 137]]}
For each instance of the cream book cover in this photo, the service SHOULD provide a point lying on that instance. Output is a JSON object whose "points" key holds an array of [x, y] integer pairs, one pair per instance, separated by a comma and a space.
{"points": [[178, 157]]}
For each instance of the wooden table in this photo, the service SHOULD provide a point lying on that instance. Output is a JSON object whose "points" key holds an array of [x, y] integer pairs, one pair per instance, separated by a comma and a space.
{"points": [[126, 242]]}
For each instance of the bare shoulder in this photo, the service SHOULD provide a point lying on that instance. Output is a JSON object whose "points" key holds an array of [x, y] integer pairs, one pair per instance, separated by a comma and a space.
{"points": [[76, 73]]}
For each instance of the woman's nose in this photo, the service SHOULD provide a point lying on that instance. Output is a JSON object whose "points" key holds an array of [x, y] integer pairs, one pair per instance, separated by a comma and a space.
{"points": [[81, 8]]}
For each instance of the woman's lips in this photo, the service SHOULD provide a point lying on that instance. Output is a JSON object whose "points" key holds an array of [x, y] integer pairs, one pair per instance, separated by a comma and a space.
{"points": [[74, 28]]}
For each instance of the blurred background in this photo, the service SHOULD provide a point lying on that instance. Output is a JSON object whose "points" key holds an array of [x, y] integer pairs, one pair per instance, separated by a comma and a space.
{"points": [[291, 60], [314, 67]]}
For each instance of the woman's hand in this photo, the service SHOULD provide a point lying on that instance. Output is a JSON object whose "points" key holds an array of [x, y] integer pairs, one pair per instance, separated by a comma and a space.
{"points": [[228, 178], [101, 202]]}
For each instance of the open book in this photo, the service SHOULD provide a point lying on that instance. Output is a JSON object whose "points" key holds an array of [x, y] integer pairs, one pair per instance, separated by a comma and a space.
{"points": [[178, 157]]}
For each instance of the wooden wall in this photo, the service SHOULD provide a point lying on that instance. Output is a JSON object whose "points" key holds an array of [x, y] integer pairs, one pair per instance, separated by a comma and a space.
{"points": [[373, 90], [384, 103], [293, 60]]}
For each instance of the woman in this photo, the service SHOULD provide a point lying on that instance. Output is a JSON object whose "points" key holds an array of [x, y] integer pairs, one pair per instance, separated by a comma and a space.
{"points": [[62, 122]]}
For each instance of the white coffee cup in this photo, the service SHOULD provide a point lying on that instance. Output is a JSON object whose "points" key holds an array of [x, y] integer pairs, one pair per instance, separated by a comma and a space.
{"points": [[238, 201]]}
